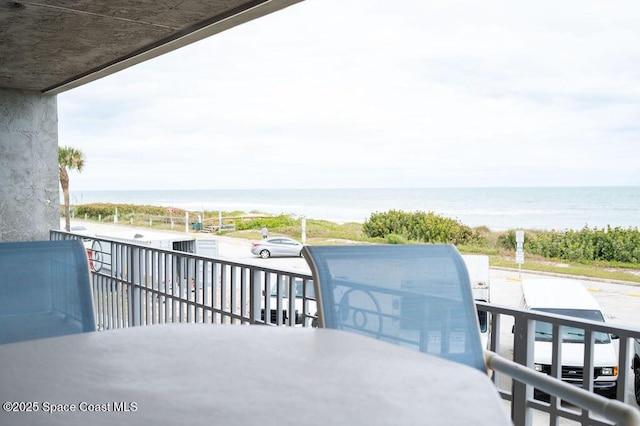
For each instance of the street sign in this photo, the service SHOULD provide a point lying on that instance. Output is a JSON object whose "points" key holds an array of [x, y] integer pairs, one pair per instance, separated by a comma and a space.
{"points": [[520, 250]]}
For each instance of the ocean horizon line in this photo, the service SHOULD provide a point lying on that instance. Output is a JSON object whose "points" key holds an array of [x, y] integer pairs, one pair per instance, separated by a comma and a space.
{"points": [[362, 188]]}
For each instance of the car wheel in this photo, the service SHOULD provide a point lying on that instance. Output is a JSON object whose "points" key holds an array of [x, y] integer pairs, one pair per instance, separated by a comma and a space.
{"points": [[301, 254], [265, 254], [636, 383]]}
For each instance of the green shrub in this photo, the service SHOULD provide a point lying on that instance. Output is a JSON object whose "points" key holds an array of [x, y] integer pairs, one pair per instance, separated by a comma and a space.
{"points": [[507, 240], [419, 226], [396, 239]]}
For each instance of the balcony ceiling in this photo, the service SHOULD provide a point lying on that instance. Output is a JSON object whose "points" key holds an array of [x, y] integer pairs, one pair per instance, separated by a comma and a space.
{"points": [[50, 46]]}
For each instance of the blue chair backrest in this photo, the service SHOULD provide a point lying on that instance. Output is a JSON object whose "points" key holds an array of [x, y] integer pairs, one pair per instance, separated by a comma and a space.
{"points": [[45, 290], [418, 296]]}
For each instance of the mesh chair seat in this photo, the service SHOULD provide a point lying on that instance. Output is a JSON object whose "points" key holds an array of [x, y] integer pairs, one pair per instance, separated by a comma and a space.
{"points": [[418, 296]]}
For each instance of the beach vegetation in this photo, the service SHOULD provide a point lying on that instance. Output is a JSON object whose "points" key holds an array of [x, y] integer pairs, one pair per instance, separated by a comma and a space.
{"points": [[422, 227], [609, 253], [587, 245], [396, 239], [273, 222], [323, 230], [107, 210]]}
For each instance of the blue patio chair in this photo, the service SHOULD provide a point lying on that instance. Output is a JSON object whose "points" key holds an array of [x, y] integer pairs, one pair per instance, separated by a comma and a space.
{"points": [[418, 296], [45, 290]]}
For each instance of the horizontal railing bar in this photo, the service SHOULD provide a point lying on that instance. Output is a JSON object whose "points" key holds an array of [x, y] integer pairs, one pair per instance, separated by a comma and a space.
{"points": [[622, 414]]}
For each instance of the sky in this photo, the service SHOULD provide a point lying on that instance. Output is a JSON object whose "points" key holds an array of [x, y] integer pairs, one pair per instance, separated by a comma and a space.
{"points": [[368, 94]]}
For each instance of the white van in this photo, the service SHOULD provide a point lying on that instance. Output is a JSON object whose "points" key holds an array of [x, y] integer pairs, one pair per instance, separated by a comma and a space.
{"points": [[570, 297], [478, 269], [284, 297]]}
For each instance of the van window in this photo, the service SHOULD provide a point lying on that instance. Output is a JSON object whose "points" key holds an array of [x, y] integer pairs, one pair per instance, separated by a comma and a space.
{"points": [[310, 292], [284, 289], [570, 334]]}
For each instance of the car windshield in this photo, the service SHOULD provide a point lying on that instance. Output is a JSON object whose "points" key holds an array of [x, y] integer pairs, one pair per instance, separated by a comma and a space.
{"points": [[544, 330]]}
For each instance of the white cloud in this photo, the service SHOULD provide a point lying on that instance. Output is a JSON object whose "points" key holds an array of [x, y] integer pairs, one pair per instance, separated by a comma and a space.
{"points": [[360, 93]]}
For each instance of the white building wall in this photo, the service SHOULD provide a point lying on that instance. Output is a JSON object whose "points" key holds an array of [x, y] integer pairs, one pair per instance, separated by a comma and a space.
{"points": [[29, 175]]}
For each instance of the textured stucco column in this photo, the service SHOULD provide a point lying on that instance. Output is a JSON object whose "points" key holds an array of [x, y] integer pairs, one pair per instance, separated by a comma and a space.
{"points": [[29, 176]]}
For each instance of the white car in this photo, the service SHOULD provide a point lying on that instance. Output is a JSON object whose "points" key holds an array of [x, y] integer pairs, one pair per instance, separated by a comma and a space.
{"points": [[276, 246]]}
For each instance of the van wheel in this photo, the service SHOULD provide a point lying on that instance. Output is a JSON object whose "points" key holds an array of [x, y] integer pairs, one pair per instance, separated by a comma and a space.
{"points": [[636, 383]]}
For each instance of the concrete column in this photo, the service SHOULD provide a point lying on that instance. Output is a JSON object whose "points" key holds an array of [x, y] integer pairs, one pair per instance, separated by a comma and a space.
{"points": [[29, 175]]}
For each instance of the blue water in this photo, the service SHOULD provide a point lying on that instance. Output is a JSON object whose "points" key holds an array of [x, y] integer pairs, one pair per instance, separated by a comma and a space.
{"points": [[497, 208]]}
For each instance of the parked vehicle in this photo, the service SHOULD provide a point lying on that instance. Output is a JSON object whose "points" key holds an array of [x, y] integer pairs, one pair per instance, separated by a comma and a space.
{"points": [[478, 270], [276, 246], [279, 300], [81, 230], [636, 370], [569, 297], [109, 258]]}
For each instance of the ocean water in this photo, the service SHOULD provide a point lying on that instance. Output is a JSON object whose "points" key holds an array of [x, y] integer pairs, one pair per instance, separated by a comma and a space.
{"points": [[558, 208]]}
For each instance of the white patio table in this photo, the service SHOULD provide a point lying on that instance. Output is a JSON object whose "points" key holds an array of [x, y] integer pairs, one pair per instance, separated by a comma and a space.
{"points": [[237, 375]]}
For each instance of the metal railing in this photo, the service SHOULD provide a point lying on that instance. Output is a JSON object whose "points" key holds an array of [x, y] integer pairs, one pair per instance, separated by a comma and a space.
{"points": [[135, 284], [518, 385], [591, 404]]}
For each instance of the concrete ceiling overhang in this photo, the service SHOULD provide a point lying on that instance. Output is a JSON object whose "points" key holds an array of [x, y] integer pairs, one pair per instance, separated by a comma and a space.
{"points": [[50, 46]]}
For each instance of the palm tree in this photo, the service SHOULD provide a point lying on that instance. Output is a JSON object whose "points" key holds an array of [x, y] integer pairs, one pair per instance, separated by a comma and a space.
{"points": [[68, 159]]}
